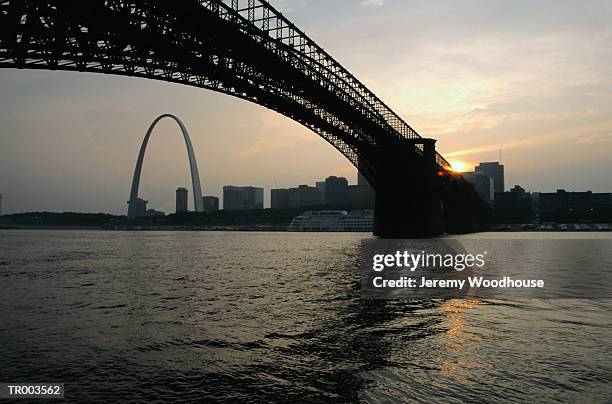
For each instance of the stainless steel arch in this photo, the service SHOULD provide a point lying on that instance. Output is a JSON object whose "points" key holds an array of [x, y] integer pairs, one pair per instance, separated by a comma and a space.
{"points": [[193, 167]]}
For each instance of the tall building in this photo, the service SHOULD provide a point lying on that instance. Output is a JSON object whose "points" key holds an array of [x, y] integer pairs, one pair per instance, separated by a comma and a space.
{"points": [[483, 185], [364, 195], [336, 191], [0, 204], [210, 203], [304, 196], [242, 198], [495, 171], [321, 188], [279, 198], [361, 179], [181, 200]]}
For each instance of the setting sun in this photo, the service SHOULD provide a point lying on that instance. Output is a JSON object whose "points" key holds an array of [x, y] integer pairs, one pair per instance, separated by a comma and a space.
{"points": [[460, 166]]}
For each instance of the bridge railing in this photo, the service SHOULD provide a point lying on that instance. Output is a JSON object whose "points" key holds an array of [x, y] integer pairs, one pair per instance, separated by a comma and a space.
{"points": [[265, 24], [271, 23]]}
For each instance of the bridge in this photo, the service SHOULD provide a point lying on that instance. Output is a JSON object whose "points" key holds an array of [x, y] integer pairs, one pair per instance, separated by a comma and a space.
{"points": [[248, 49]]}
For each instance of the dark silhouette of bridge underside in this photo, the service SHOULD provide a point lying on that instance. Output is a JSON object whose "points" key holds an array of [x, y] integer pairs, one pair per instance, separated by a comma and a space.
{"points": [[249, 50]]}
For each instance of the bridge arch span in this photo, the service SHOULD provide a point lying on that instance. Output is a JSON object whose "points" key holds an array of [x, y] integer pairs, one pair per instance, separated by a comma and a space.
{"points": [[193, 168], [248, 49], [244, 48]]}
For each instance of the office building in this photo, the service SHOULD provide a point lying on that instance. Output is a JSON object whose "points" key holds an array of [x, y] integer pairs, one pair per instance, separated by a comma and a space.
{"points": [[336, 191], [361, 197], [242, 198], [210, 204], [320, 185], [361, 179], [535, 204], [495, 171], [364, 195], [279, 198], [564, 206], [513, 205], [304, 196], [601, 203], [483, 185], [181, 200], [141, 207]]}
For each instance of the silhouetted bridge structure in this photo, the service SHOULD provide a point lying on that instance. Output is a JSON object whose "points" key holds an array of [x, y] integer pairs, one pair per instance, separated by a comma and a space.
{"points": [[250, 50]]}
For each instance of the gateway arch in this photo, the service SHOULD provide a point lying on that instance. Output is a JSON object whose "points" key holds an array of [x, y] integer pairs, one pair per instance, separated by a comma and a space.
{"points": [[193, 167]]}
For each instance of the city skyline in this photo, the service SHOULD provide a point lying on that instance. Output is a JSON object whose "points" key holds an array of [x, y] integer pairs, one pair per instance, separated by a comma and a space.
{"points": [[529, 81]]}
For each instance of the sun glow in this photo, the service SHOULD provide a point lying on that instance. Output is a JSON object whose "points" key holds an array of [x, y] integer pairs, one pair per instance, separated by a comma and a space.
{"points": [[460, 166]]}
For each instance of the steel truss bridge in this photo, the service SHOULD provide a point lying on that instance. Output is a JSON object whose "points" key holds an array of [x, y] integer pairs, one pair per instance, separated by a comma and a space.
{"points": [[244, 48]]}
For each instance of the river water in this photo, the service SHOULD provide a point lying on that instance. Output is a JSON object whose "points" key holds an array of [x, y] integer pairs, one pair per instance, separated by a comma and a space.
{"points": [[235, 316]]}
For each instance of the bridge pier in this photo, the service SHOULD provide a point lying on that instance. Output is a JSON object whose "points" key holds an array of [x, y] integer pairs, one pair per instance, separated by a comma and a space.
{"points": [[408, 193], [415, 199], [464, 211]]}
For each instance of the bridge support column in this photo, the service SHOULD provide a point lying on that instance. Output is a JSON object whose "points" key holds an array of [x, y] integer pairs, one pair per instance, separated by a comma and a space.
{"points": [[408, 194], [464, 211]]}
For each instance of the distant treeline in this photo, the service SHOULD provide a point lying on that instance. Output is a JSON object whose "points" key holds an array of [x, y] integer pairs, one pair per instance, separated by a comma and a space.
{"points": [[264, 217], [59, 219]]}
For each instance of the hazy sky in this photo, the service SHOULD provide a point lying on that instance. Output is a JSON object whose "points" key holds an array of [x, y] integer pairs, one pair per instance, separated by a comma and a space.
{"points": [[531, 77]]}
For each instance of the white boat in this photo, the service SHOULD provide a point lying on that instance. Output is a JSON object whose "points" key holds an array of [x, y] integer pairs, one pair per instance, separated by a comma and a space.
{"points": [[333, 220]]}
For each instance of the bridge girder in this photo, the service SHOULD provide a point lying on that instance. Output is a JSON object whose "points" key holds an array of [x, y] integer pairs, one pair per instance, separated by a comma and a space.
{"points": [[243, 48]]}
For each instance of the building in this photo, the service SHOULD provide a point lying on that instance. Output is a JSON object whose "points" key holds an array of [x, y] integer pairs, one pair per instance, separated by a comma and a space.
{"points": [[0, 204], [320, 185], [153, 213], [495, 171], [361, 196], [279, 198], [535, 204], [141, 207], [181, 200], [483, 185], [242, 198], [303, 196], [336, 191], [210, 203], [601, 204], [564, 206], [361, 180], [513, 205], [364, 196]]}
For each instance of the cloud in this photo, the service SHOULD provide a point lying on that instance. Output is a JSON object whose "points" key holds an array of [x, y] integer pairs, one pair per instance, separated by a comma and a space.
{"points": [[268, 144], [371, 3], [537, 140], [275, 132], [540, 140], [595, 138]]}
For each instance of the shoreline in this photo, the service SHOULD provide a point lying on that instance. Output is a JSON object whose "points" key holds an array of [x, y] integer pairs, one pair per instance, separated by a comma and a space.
{"points": [[263, 228]]}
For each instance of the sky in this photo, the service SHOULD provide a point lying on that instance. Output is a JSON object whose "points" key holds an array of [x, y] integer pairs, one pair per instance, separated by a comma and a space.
{"points": [[532, 79]]}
